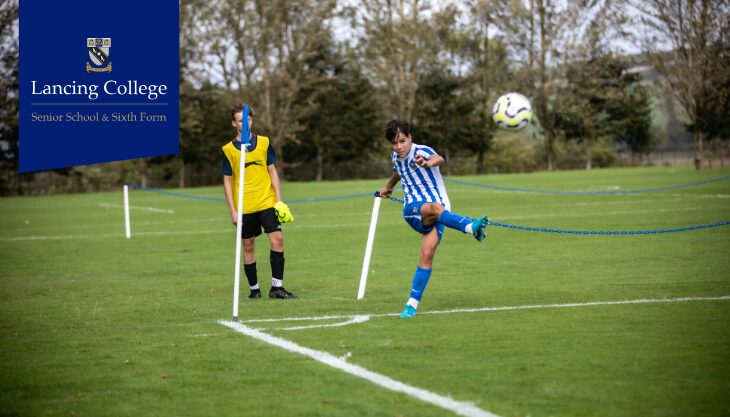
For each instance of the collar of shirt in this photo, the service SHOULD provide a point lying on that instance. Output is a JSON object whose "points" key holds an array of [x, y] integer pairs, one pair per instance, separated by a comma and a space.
{"points": [[250, 145]]}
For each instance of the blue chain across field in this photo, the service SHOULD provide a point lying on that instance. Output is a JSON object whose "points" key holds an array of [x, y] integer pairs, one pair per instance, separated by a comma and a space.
{"points": [[596, 232], [512, 189]]}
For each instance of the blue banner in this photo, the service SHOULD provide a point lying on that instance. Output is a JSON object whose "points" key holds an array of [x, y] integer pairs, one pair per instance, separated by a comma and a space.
{"points": [[98, 81]]}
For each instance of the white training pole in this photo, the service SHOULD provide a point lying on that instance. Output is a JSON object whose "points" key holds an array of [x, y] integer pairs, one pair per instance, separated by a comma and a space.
{"points": [[127, 226], [239, 222], [369, 248]]}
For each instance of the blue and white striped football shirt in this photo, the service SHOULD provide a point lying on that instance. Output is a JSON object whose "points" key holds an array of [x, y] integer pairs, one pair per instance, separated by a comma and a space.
{"points": [[419, 183]]}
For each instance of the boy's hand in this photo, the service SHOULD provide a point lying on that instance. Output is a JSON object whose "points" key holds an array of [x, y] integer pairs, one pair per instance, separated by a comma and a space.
{"points": [[421, 161], [283, 213], [234, 217], [385, 192]]}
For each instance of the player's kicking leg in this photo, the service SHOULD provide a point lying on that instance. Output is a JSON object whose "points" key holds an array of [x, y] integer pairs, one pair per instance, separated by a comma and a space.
{"points": [[434, 212]]}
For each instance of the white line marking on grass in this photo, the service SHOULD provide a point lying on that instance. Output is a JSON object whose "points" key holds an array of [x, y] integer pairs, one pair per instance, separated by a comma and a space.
{"points": [[142, 208], [179, 233], [603, 213], [622, 202], [625, 195], [587, 304], [702, 195], [343, 225], [111, 235], [329, 226], [352, 320], [114, 225], [505, 308], [458, 407], [344, 316]]}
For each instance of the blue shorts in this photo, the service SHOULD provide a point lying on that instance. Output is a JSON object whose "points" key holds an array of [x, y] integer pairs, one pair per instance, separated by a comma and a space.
{"points": [[412, 216]]}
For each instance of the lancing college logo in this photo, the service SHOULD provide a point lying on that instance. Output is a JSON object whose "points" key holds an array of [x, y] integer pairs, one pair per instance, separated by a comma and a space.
{"points": [[99, 53]]}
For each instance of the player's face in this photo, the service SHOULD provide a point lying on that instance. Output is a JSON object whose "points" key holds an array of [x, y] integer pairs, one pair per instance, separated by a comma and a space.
{"points": [[238, 123], [401, 144]]}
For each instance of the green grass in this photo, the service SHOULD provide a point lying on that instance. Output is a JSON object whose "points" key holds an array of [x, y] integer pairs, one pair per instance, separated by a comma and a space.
{"points": [[95, 324]]}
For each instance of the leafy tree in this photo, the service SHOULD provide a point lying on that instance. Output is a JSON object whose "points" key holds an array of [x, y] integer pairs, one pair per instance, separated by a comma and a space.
{"points": [[678, 37], [603, 99], [205, 126], [714, 116], [486, 73], [399, 42], [257, 50], [630, 119], [9, 178], [545, 36], [445, 116], [341, 126], [546, 27]]}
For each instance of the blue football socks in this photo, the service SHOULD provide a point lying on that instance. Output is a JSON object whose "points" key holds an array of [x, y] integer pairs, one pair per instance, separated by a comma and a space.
{"points": [[454, 221], [420, 280]]}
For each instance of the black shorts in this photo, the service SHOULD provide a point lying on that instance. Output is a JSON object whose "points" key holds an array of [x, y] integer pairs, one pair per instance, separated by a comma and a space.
{"points": [[254, 222]]}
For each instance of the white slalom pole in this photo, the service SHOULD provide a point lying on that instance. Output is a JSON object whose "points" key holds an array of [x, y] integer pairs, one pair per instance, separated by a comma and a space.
{"points": [[369, 248], [239, 223], [127, 226]]}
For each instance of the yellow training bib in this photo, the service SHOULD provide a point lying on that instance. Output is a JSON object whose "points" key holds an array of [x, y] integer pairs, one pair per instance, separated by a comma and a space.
{"points": [[258, 193]]}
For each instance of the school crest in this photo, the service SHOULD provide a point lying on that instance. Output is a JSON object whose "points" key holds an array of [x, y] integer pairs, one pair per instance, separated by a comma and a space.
{"points": [[99, 49]]}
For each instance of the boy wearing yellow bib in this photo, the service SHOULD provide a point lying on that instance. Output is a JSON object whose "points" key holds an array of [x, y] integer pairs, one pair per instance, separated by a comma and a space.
{"points": [[263, 207]]}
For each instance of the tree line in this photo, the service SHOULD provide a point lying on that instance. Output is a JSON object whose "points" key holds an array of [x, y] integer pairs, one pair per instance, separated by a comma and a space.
{"points": [[325, 75]]}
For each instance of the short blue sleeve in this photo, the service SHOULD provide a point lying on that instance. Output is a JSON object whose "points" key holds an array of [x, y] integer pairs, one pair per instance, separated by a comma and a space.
{"points": [[226, 165], [270, 155]]}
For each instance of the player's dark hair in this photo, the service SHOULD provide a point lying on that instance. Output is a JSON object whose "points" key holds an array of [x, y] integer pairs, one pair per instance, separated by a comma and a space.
{"points": [[238, 108], [394, 126]]}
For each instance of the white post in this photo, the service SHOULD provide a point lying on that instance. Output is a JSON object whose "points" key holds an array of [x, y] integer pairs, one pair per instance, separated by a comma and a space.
{"points": [[127, 226], [369, 248], [239, 223]]}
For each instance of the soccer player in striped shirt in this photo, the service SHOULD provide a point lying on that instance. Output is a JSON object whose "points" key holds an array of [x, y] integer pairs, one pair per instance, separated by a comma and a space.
{"points": [[426, 208]]}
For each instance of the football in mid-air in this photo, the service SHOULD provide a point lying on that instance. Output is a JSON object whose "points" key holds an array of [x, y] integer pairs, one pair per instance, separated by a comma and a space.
{"points": [[512, 112]]}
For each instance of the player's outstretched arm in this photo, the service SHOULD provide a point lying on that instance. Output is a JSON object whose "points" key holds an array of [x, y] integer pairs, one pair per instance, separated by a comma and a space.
{"points": [[275, 181], [386, 191], [228, 190], [432, 161], [282, 210]]}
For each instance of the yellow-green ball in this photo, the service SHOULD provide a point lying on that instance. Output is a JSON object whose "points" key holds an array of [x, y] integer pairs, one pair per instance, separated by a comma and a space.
{"points": [[512, 112]]}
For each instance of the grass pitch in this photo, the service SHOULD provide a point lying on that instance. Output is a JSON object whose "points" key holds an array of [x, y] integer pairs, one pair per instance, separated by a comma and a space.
{"points": [[95, 324]]}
